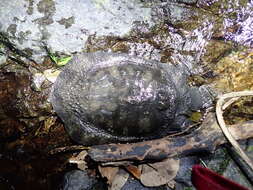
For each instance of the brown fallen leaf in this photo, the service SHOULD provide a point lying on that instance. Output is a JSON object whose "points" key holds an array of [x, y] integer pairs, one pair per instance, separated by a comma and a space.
{"points": [[159, 173], [80, 160], [109, 173], [45, 129], [119, 180], [116, 177], [135, 171], [171, 184]]}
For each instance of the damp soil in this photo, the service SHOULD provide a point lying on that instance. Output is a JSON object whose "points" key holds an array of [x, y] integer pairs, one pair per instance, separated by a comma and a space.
{"points": [[25, 162]]}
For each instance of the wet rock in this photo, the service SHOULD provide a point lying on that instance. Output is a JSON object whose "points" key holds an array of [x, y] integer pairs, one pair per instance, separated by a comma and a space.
{"points": [[104, 97], [80, 180], [225, 162], [173, 12], [64, 26], [31, 28], [133, 184], [183, 177], [235, 21]]}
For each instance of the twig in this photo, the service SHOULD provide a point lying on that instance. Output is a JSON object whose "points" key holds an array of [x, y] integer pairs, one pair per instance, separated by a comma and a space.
{"points": [[229, 102], [204, 139], [67, 149], [219, 114]]}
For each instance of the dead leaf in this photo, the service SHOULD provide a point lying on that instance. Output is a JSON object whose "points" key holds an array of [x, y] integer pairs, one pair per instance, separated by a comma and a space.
{"points": [[108, 172], [51, 74], [135, 171], [119, 180], [171, 184], [116, 177], [48, 123], [80, 160], [159, 173]]}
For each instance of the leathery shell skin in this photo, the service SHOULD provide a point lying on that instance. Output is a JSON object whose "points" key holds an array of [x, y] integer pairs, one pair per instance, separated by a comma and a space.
{"points": [[109, 97]]}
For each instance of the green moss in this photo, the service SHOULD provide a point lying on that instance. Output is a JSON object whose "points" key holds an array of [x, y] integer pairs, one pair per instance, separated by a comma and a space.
{"points": [[250, 148]]}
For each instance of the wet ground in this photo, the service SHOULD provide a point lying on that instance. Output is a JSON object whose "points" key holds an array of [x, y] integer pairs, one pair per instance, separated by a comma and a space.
{"points": [[29, 129]]}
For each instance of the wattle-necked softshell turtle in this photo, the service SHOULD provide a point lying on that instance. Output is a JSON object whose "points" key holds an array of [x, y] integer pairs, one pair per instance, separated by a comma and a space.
{"points": [[111, 97]]}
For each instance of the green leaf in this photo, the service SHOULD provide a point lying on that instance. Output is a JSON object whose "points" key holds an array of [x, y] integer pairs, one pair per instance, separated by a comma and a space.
{"points": [[60, 61], [63, 61]]}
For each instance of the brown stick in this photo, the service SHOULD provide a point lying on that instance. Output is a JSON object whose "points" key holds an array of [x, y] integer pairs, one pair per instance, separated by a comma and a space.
{"points": [[219, 113], [205, 139]]}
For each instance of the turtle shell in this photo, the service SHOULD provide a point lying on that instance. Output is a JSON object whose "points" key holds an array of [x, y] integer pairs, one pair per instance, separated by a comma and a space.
{"points": [[108, 97]]}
